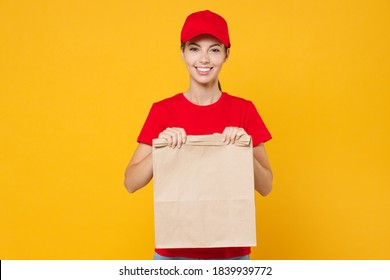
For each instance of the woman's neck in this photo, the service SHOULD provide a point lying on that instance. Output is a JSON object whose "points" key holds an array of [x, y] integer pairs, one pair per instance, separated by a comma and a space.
{"points": [[202, 94]]}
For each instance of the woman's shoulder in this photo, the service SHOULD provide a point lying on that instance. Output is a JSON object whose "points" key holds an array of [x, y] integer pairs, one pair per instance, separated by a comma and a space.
{"points": [[169, 100], [237, 100], [167, 104]]}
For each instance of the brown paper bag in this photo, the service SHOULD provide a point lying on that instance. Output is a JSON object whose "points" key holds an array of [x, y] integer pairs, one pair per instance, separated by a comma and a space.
{"points": [[204, 193]]}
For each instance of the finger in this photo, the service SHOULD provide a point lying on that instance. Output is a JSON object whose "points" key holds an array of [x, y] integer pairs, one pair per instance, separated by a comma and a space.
{"points": [[224, 134], [170, 137], [166, 136], [232, 134], [235, 132], [181, 135], [174, 137], [228, 135], [240, 132]]}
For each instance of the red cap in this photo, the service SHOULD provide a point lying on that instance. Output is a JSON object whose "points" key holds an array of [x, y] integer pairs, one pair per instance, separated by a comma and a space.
{"points": [[205, 22]]}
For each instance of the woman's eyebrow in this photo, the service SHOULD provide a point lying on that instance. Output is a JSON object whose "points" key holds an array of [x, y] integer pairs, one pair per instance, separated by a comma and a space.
{"points": [[214, 45], [193, 44]]}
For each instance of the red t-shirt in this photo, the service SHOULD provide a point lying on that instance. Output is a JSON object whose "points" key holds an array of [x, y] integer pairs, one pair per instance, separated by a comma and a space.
{"points": [[229, 110]]}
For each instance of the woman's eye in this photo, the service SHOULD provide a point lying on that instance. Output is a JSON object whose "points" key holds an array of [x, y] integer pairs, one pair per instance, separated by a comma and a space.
{"points": [[193, 49], [215, 50]]}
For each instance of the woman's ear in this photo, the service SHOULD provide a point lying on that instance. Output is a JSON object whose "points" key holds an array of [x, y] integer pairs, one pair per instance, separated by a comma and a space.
{"points": [[182, 53], [182, 48], [227, 54]]}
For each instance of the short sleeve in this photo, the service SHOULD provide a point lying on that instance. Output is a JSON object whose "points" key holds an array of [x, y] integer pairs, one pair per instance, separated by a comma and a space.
{"points": [[255, 126], [152, 126]]}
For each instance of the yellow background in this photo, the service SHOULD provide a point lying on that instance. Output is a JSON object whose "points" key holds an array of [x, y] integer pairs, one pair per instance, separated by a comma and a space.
{"points": [[77, 79]]}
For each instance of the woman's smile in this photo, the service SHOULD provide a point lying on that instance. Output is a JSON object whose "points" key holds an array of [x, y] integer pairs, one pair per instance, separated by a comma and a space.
{"points": [[203, 70]]}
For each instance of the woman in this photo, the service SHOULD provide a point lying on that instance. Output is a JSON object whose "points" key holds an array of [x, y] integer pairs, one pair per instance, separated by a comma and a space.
{"points": [[202, 109]]}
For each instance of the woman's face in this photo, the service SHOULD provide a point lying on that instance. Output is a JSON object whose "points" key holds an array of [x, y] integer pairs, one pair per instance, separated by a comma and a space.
{"points": [[204, 56]]}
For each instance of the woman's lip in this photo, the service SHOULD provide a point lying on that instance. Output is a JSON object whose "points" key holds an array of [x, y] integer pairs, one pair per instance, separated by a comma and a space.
{"points": [[203, 70]]}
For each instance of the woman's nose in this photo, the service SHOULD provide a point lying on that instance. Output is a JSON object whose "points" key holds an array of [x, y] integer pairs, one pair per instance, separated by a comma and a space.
{"points": [[204, 57]]}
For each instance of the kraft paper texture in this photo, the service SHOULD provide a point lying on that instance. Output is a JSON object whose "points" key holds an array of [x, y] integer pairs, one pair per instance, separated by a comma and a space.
{"points": [[204, 193]]}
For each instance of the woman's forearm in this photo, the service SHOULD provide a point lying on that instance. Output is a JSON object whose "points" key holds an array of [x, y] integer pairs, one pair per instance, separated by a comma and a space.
{"points": [[263, 178], [262, 170], [139, 172]]}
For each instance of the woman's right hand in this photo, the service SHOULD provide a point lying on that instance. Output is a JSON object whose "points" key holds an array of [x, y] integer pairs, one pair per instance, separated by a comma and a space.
{"points": [[175, 136]]}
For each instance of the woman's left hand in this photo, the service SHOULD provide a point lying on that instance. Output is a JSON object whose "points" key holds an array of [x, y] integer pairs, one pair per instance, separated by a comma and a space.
{"points": [[231, 134]]}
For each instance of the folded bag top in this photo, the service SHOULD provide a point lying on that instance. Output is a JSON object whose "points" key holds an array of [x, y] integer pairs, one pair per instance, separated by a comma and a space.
{"points": [[215, 139]]}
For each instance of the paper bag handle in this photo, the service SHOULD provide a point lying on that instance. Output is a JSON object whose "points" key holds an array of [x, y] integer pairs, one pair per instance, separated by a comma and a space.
{"points": [[205, 140]]}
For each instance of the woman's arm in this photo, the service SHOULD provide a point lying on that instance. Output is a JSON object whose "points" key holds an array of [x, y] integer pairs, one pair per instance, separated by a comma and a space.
{"points": [[139, 172], [261, 166], [262, 170]]}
